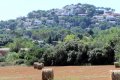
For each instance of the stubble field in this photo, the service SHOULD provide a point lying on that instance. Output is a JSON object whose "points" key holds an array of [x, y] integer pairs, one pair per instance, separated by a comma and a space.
{"points": [[60, 73]]}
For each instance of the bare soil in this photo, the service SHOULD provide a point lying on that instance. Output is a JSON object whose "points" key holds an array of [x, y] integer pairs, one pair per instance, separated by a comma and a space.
{"points": [[60, 73]]}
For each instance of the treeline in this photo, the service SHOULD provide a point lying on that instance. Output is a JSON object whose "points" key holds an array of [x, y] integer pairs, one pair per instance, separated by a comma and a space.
{"points": [[101, 49]]}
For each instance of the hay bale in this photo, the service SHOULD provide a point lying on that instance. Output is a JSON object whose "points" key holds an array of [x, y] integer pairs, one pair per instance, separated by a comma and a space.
{"points": [[117, 65], [35, 65], [40, 66], [47, 74], [115, 74]]}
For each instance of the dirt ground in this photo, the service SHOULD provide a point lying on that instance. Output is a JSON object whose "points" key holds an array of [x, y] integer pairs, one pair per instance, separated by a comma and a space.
{"points": [[60, 73]]}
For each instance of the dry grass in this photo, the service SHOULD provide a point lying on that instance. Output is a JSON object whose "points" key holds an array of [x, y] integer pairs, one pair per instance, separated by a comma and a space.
{"points": [[60, 73]]}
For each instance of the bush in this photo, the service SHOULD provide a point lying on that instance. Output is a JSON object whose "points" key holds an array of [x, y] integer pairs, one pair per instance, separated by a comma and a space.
{"points": [[31, 61], [110, 53], [36, 51], [19, 61], [2, 59], [60, 56], [12, 56], [71, 57], [5, 64], [96, 57]]}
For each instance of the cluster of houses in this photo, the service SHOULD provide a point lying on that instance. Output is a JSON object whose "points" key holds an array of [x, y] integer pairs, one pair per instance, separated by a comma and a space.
{"points": [[71, 10], [107, 16]]}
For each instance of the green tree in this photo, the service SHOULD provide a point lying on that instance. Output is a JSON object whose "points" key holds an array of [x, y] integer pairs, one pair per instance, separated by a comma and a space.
{"points": [[69, 37]]}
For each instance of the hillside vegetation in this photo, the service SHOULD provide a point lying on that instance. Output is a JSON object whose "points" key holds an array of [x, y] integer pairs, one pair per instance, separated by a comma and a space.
{"points": [[77, 34]]}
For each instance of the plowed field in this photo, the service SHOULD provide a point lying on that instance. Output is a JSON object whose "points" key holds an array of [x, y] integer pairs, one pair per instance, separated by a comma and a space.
{"points": [[60, 73]]}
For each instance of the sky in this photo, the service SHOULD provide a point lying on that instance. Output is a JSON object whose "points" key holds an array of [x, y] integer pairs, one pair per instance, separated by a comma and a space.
{"points": [[11, 9]]}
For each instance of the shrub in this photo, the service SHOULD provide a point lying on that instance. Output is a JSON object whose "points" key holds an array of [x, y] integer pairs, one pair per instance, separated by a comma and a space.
{"points": [[2, 59], [15, 47], [96, 56], [5, 64], [19, 61], [71, 57], [12, 56], [31, 60], [22, 54], [60, 56], [110, 53]]}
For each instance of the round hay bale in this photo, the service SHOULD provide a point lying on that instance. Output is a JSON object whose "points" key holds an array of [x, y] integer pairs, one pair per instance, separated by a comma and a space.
{"points": [[117, 65], [35, 65], [47, 74], [115, 74], [40, 66]]}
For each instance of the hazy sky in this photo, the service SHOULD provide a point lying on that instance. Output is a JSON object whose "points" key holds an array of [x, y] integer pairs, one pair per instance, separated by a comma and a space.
{"points": [[10, 9]]}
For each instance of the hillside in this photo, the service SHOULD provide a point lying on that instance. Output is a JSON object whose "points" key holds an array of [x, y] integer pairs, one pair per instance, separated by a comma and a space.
{"points": [[41, 25], [74, 35], [83, 15]]}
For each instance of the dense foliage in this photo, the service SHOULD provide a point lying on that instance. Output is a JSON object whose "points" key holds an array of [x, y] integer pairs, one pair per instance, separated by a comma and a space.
{"points": [[96, 50]]}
